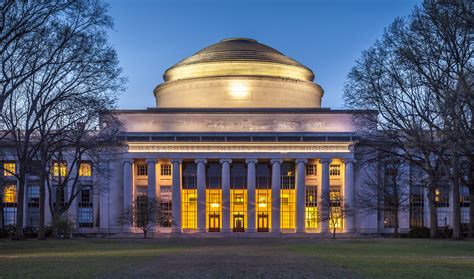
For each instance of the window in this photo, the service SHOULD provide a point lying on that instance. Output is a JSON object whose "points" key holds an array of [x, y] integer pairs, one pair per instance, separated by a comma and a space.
{"points": [[9, 169], [165, 170], [189, 197], [388, 219], [416, 206], [311, 207], [85, 169], [141, 209], [335, 210], [33, 206], [442, 197], [334, 170], [142, 169], [85, 208], [311, 170], [9, 194], [9, 205], [59, 169], [34, 168], [166, 209], [287, 176], [464, 196]]}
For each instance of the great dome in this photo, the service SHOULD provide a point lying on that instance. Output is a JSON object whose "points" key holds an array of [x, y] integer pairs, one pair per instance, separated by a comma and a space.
{"points": [[238, 72]]}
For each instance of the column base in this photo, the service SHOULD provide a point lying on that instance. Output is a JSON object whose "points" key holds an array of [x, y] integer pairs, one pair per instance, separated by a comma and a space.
{"points": [[225, 230], [249, 230], [201, 231], [300, 231]]}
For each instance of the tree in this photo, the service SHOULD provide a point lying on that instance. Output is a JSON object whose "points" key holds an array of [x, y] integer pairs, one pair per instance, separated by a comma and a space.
{"points": [[144, 213], [70, 68], [337, 211], [418, 78], [390, 186]]}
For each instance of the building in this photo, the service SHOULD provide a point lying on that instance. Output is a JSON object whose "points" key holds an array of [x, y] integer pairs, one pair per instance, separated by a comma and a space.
{"points": [[238, 142]]}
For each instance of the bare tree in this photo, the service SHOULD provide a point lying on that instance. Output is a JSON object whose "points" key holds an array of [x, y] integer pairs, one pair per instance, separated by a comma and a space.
{"points": [[144, 213], [413, 77], [74, 69], [390, 187], [337, 211]]}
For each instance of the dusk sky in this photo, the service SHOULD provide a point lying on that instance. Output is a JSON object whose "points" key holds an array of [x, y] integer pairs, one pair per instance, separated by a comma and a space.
{"points": [[325, 35]]}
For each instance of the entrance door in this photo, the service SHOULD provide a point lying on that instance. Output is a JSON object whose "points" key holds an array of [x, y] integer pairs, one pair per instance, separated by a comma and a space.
{"points": [[239, 223], [262, 222], [214, 222]]}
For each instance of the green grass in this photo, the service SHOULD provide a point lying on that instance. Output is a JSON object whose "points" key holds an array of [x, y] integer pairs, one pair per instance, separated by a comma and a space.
{"points": [[162, 258]]}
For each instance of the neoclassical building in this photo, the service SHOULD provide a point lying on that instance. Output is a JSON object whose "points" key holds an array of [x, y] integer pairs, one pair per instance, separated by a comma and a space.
{"points": [[238, 143]]}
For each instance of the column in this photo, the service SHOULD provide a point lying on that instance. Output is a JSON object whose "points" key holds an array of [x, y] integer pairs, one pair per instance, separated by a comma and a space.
{"points": [[300, 195], [127, 186], [176, 195], [324, 200], [251, 183], [349, 195], [201, 191], [276, 182], [225, 194], [151, 190]]}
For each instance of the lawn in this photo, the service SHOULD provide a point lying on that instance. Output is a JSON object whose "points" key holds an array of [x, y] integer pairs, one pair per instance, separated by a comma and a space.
{"points": [[237, 258]]}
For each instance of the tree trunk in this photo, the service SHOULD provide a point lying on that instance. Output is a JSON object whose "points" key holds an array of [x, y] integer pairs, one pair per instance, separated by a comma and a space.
{"points": [[145, 234], [471, 212], [42, 205], [433, 212], [456, 205], [19, 208], [396, 223], [334, 232]]}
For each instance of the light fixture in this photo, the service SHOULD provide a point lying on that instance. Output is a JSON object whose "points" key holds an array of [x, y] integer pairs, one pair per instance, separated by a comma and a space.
{"points": [[215, 205]]}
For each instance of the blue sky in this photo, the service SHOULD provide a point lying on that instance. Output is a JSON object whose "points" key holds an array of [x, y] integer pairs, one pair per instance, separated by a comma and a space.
{"points": [[325, 35]]}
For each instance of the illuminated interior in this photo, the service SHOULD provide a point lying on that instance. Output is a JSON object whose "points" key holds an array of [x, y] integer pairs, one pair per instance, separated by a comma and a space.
{"points": [[213, 210], [335, 212], [9, 169], [287, 208], [9, 194], [85, 169], [263, 209], [238, 209], [59, 169], [311, 214], [189, 209]]}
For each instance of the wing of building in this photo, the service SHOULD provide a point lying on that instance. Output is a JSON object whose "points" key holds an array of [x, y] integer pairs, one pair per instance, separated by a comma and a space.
{"points": [[238, 142]]}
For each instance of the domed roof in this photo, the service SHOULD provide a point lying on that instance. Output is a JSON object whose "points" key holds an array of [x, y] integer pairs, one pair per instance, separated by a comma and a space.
{"points": [[245, 56]]}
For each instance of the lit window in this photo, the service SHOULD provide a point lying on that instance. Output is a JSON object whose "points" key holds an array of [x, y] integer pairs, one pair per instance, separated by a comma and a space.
{"points": [[311, 170], [9, 194], [9, 169], [59, 169], [142, 169], [85, 169], [335, 170], [166, 170], [311, 208]]}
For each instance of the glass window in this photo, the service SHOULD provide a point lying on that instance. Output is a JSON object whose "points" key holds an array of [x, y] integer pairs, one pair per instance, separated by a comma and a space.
{"points": [[9, 169], [142, 169], [416, 206], [85, 169], [311, 170], [335, 210], [334, 170], [165, 169], [35, 168], [311, 207], [442, 197], [464, 196], [9, 194], [287, 176], [59, 169]]}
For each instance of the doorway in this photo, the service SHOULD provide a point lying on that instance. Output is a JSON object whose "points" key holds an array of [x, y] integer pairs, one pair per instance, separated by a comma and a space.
{"points": [[214, 222], [239, 223], [262, 222]]}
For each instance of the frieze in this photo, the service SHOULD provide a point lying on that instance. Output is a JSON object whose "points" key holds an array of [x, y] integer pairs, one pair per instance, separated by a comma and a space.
{"points": [[166, 147]]}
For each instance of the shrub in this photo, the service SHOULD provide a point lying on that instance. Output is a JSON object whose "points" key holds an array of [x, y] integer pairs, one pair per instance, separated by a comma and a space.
{"points": [[419, 232], [64, 228], [29, 232]]}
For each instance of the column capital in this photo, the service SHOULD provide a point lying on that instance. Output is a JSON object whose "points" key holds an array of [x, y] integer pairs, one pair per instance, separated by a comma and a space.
{"points": [[176, 161], [279, 161], [130, 161], [325, 160], [222, 161], [148, 161], [304, 161], [248, 161], [350, 161], [197, 161]]}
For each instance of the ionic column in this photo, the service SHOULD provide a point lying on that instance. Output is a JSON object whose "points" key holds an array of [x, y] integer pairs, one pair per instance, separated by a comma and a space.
{"points": [[127, 186], [251, 183], [225, 194], [349, 194], [324, 199], [151, 190], [201, 191], [276, 183], [176, 195], [300, 194]]}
